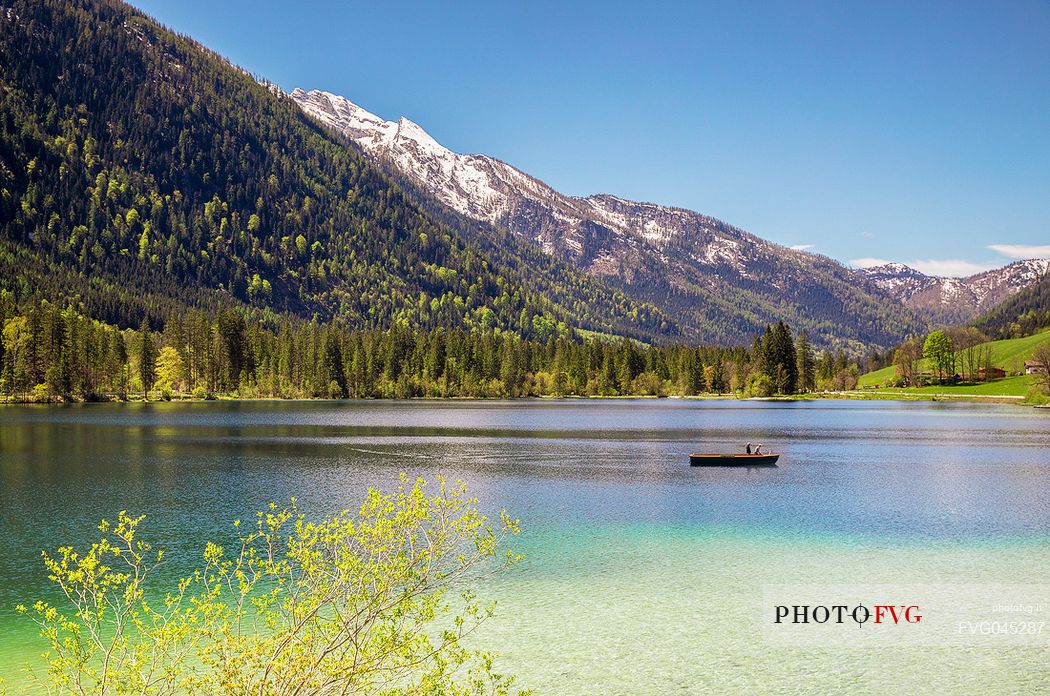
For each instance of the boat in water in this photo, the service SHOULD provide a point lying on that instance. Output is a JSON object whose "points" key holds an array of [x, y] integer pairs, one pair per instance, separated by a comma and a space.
{"points": [[733, 459]]}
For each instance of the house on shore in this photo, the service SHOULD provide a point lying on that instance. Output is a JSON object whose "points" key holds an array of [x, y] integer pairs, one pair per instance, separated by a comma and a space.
{"points": [[1032, 367], [993, 372]]}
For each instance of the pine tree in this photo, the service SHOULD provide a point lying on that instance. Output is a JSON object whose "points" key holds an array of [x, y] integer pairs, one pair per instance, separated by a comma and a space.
{"points": [[806, 364], [781, 359], [147, 355]]}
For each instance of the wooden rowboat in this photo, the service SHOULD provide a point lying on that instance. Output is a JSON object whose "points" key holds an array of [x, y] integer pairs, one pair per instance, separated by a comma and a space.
{"points": [[733, 459]]}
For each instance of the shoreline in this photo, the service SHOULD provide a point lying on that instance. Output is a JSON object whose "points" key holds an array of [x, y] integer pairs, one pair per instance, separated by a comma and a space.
{"points": [[855, 395]]}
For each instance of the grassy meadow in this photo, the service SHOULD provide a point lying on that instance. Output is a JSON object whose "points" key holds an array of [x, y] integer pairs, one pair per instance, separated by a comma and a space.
{"points": [[1009, 354]]}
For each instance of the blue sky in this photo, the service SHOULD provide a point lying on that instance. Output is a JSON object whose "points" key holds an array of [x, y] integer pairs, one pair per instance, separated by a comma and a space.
{"points": [[913, 132]]}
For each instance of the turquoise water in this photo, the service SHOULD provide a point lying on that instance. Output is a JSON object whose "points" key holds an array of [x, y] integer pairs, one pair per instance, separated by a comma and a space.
{"points": [[643, 575]]}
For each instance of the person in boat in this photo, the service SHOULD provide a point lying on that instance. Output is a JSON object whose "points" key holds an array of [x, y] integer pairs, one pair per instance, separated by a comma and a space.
{"points": [[747, 448], [758, 449]]}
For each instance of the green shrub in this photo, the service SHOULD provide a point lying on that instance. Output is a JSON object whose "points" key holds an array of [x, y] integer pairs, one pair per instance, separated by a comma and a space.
{"points": [[1037, 396], [758, 385], [358, 602]]}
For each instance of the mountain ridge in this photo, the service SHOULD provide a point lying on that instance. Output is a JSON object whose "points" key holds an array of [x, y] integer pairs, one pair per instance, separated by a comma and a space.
{"points": [[1023, 314], [949, 300], [718, 280]]}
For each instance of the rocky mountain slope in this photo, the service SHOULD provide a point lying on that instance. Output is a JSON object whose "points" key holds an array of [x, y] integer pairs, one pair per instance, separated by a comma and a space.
{"points": [[720, 282], [955, 300]]}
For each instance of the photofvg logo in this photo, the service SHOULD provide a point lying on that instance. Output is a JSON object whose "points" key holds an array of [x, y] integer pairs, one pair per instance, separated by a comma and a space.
{"points": [[932, 615], [841, 613]]}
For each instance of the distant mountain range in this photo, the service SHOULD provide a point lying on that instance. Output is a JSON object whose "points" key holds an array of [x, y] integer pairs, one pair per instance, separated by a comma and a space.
{"points": [[717, 280], [956, 300], [142, 175], [1020, 315]]}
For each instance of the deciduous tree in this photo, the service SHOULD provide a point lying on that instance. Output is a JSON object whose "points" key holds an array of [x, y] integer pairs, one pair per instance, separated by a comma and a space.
{"points": [[1041, 356], [378, 599], [938, 350], [169, 368], [906, 360]]}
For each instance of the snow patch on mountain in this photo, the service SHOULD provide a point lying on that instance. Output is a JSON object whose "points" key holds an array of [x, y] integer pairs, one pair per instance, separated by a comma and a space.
{"points": [[968, 296]]}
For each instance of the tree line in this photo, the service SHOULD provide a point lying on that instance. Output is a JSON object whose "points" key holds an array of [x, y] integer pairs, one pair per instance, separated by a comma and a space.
{"points": [[50, 353], [952, 355]]}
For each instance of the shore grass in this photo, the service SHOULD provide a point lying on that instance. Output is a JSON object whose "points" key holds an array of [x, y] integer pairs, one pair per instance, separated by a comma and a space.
{"points": [[1008, 354], [1008, 386], [973, 393]]}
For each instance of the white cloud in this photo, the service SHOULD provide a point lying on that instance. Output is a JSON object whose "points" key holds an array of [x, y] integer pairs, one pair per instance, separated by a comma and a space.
{"points": [[953, 268], [802, 247], [1022, 251], [868, 262]]}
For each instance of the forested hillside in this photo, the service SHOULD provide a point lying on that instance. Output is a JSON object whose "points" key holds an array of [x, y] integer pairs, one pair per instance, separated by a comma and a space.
{"points": [[141, 174], [1023, 314]]}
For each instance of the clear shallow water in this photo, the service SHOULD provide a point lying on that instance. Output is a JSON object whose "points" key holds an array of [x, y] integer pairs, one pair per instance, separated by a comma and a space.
{"points": [[643, 575]]}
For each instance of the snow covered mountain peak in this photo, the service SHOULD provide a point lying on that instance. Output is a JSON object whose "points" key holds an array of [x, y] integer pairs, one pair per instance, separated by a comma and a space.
{"points": [[410, 130], [470, 184], [894, 268], [372, 133]]}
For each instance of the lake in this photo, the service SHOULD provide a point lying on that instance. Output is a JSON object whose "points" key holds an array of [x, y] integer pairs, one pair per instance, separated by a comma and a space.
{"points": [[642, 575]]}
